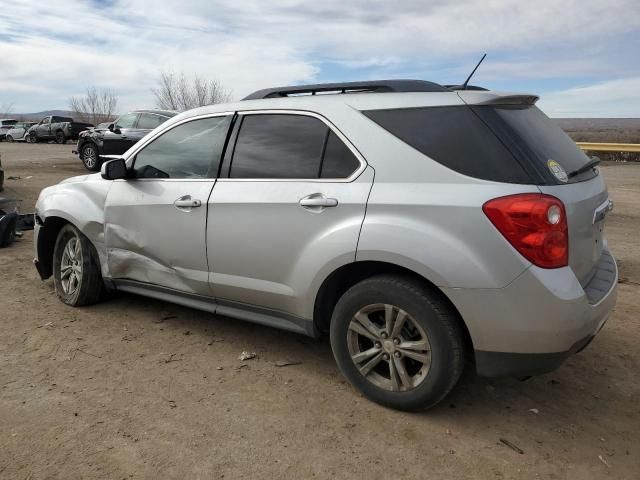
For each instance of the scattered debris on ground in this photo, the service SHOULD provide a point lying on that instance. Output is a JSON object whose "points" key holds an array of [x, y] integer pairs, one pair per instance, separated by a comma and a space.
{"points": [[247, 356], [286, 363], [512, 446]]}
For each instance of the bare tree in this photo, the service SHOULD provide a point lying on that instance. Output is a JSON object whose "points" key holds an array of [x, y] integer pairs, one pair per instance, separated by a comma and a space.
{"points": [[6, 109], [177, 92], [96, 106]]}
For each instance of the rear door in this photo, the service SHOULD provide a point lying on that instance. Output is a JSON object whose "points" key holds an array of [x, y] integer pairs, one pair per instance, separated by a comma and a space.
{"points": [[289, 203], [155, 222], [118, 140]]}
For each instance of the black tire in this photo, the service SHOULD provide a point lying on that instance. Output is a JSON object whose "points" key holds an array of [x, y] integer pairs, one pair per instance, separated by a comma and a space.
{"points": [[9, 138], [34, 137], [60, 138], [89, 286], [90, 157], [429, 313]]}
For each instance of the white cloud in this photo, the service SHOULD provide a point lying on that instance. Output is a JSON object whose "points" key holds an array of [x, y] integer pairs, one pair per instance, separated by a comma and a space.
{"points": [[48, 54], [614, 98]]}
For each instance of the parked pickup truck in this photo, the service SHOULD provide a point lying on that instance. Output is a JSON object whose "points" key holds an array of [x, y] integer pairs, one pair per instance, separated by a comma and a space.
{"points": [[57, 128]]}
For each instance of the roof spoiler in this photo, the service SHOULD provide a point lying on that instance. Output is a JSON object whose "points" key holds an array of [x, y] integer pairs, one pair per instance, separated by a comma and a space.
{"points": [[514, 100]]}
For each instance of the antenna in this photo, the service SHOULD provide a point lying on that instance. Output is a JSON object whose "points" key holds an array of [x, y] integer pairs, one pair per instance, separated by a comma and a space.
{"points": [[464, 85]]}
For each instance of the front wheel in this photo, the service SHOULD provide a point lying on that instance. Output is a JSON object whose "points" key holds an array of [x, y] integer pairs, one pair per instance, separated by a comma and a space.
{"points": [[397, 342], [89, 157], [9, 138], [33, 138], [76, 268]]}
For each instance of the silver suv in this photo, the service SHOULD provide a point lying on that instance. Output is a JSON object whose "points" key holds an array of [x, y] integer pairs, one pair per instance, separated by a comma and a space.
{"points": [[419, 226]]}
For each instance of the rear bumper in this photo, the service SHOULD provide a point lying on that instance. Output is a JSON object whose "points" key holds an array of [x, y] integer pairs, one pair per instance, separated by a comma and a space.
{"points": [[532, 325]]}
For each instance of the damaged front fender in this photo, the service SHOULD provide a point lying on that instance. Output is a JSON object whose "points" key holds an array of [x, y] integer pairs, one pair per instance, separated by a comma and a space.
{"points": [[78, 201]]}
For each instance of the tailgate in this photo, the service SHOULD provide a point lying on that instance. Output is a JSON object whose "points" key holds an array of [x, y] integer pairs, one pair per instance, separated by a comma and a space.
{"points": [[587, 204]]}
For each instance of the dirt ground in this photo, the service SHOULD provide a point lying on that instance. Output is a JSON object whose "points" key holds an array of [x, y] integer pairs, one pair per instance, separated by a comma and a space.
{"points": [[137, 388]]}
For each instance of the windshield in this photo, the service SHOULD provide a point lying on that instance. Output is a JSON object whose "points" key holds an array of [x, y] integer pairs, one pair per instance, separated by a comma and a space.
{"points": [[529, 133]]}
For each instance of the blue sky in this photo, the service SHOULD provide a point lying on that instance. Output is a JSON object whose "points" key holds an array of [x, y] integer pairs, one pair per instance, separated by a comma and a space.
{"points": [[581, 57]]}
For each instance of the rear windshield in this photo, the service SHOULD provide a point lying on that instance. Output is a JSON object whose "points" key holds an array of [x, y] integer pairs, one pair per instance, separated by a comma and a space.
{"points": [[455, 137], [530, 134]]}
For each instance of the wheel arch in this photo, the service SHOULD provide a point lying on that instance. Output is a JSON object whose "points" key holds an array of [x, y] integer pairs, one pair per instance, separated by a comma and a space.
{"points": [[46, 243], [344, 277]]}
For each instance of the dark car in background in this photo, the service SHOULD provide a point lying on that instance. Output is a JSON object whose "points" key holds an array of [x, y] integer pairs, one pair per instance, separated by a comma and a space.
{"points": [[5, 125], [116, 139], [56, 128]]}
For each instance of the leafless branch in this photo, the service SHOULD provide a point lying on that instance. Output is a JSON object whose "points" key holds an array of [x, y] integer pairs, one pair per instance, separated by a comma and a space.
{"points": [[177, 92], [6, 109], [95, 107]]}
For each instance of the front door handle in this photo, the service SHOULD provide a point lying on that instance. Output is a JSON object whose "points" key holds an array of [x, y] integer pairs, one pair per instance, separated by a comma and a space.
{"points": [[318, 202], [187, 202]]}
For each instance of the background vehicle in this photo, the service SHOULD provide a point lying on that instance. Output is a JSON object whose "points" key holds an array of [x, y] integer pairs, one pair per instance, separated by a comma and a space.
{"points": [[1, 176], [56, 128], [119, 135], [480, 235], [5, 125], [18, 133]]}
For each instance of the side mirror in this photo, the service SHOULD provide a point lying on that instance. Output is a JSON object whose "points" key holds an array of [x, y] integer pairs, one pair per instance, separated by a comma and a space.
{"points": [[114, 169], [111, 127]]}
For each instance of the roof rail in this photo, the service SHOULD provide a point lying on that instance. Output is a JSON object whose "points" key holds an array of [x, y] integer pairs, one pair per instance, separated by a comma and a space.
{"points": [[378, 86]]}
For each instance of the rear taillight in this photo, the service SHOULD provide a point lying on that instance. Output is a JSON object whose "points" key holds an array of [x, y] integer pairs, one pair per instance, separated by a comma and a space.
{"points": [[535, 224]]}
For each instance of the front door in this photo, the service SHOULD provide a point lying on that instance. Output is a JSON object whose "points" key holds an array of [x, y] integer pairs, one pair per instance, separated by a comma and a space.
{"points": [[290, 209], [155, 222]]}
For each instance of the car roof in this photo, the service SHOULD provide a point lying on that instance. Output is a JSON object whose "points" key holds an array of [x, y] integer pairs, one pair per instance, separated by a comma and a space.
{"points": [[166, 113]]}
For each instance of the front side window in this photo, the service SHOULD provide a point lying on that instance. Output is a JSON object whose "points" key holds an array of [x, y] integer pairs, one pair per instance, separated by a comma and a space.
{"points": [[149, 121], [281, 146], [126, 121], [45, 121], [190, 150]]}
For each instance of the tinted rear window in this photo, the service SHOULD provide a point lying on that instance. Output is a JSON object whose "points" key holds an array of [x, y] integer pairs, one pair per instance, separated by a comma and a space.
{"points": [[456, 138], [530, 133]]}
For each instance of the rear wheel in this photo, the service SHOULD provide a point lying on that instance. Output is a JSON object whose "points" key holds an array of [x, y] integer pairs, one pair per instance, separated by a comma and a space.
{"points": [[60, 138], [76, 268], [397, 342], [89, 157]]}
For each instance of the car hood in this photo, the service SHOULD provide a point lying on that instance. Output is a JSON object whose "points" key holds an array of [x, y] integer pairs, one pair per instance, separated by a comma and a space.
{"points": [[79, 178]]}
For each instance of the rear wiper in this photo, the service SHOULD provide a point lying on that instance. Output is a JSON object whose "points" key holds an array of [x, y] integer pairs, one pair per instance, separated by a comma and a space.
{"points": [[586, 167]]}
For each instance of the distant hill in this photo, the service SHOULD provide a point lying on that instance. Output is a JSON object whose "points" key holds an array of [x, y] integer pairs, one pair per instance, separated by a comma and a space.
{"points": [[577, 124], [623, 130], [36, 116]]}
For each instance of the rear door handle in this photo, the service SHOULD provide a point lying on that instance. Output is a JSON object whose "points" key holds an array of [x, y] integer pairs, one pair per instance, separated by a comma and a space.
{"points": [[318, 202], [187, 202]]}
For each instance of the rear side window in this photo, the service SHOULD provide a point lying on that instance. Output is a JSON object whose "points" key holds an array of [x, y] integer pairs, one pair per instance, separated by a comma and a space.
{"points": [[456, 138], [149, 121], [281, 146], [190, 150], [338, 161]]}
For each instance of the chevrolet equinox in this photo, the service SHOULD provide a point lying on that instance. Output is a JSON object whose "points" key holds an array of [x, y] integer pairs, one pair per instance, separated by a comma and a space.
{"points": [[418, 225]]}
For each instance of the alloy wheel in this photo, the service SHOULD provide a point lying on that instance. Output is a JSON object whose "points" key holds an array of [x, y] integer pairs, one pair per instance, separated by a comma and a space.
{"points": [[389, 347], [89, 157], [71, 266]]}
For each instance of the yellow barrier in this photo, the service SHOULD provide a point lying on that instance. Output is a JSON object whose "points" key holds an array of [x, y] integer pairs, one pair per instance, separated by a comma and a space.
{"points": [[609, 147]]}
